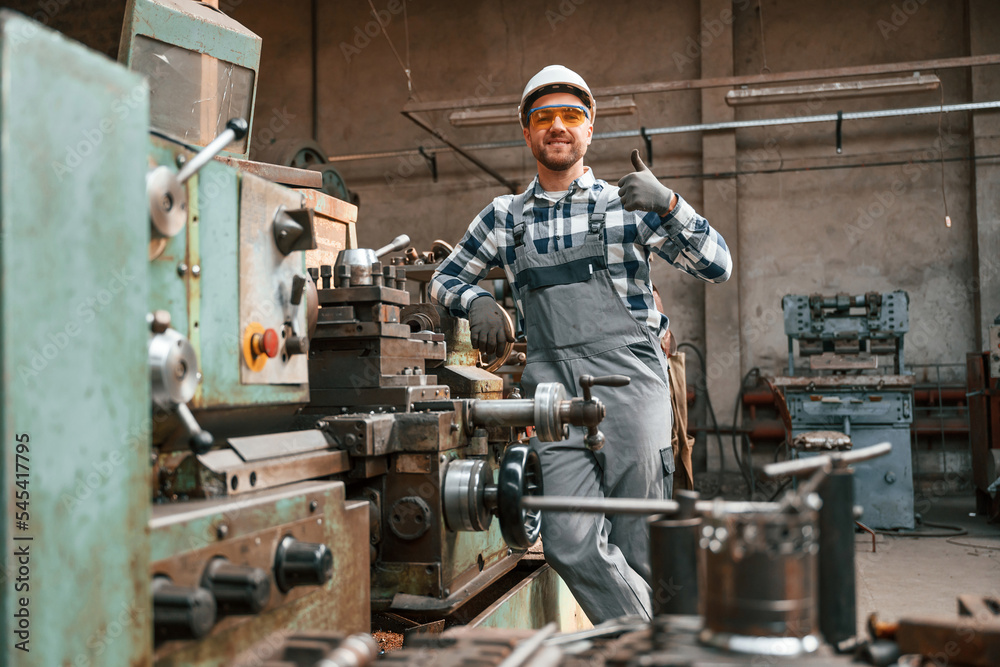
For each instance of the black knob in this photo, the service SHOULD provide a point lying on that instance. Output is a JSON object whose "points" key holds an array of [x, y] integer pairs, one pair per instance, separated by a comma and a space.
{"points": [[313, 272], [238, 589], [298, 287], [297, 345], [201, 442], [302, 564], [239, 127], [326, 271], [180, 612]]}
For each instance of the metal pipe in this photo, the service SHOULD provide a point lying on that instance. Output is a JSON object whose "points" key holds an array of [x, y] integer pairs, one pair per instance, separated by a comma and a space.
{"points": [[837, 596], [527, 648], [702, 127], [641, 506], [673, 558], [733, 81]]}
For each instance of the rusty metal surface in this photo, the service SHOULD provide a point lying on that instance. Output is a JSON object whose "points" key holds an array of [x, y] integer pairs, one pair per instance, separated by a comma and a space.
{"points": [[865, 381], [458, 648], [359, 329], [540, 598], [342, 604], [368, 467], [830, 361], [444, 606], [471, 382], [361, 435], [414, 463], [223, 472], [299, 178], [368, 398], [821, 440], [964, 640], [761, 574], [427, 431], [367, 293], [270, 445], [335, 223]]}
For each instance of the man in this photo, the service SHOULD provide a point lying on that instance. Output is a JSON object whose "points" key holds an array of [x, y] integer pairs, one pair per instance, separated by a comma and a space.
{"points": [[576, 252]]}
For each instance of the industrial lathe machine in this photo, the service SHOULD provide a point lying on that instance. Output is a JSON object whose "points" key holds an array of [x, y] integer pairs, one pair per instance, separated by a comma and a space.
{"points": [[224, 424]]}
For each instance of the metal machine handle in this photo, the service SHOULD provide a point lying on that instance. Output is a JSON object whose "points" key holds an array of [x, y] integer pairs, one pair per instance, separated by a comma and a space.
{"points": [[397, 243], [588, 381], [200, 440], [595, 439], [235, 130], [834, 459]]}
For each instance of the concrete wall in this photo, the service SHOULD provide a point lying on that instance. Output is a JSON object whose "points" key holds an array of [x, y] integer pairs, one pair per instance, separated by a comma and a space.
{"points": [[851, 229], [827, 222]]}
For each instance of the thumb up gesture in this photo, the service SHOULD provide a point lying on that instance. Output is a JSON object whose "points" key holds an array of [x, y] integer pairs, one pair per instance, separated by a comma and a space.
{"points": [[642, 191]]}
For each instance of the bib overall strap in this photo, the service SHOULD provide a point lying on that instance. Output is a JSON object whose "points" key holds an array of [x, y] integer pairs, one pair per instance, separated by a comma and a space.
{"points": [[597, 217], [517, 212]]}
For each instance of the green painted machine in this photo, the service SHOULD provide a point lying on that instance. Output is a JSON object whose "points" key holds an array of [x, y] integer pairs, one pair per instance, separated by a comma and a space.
{"points": [[218, 435]]}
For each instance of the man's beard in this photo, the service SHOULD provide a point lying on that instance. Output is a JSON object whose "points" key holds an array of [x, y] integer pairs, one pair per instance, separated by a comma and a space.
{"points": [[559, 162]]}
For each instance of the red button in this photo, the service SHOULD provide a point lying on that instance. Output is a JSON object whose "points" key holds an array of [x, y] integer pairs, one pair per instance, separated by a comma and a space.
{"points": [[271, 343]]}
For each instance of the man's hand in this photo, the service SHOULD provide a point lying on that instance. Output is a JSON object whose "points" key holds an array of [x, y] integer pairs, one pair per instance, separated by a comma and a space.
{"points": [[642, 191], [487, 325]]}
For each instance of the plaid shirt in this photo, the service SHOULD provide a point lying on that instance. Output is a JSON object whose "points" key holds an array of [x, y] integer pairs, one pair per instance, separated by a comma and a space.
{"points": [[683, 238]]}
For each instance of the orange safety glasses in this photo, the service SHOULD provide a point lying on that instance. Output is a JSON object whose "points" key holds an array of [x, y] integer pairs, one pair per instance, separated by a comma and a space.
{"points": [[541, 118]]}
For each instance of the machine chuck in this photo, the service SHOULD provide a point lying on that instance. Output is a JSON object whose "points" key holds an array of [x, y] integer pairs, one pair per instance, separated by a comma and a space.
{"points": [[302, 564]]}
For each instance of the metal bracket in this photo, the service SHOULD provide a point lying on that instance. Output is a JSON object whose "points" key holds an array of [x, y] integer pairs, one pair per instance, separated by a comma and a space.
{"points": [[432, 162], [649, 145], [840, 134], [510, 185]]}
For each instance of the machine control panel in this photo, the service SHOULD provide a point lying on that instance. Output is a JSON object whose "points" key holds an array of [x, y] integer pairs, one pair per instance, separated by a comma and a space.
{"points": [[272, 278]]}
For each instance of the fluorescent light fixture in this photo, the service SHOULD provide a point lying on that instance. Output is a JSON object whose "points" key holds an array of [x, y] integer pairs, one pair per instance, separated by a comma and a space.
{"points": [[835, 90], [474, 117]]}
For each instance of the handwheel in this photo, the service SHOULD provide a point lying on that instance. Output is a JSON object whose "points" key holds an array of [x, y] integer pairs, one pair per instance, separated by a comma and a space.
{"points": [[520, 475], [492, 364]]}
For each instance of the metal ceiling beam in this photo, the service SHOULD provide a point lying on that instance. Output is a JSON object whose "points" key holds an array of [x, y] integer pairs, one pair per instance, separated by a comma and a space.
{"points": [[730, 81], [412, 107]]}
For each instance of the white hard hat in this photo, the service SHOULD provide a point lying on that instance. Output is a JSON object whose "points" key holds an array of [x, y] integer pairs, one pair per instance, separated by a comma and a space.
{"points": [[555, 79]]}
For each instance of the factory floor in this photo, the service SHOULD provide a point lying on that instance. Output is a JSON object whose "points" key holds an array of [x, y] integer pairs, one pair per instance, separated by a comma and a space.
{"points": [[909, 577]]}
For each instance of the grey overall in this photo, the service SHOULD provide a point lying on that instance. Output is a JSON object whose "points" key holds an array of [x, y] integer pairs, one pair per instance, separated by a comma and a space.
{"points": [[577, 324]]}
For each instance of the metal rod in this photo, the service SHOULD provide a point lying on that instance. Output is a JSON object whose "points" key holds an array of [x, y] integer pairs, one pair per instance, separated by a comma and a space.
{"points": [[702, 127], [812, 463], [510, 412], [642, 506], [733, 81], [528, 647], [510, 185], [605, 629], [236, 128]]}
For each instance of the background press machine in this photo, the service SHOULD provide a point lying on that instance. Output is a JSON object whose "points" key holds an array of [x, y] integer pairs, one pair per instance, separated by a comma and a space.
{"points": [[844, 399]]}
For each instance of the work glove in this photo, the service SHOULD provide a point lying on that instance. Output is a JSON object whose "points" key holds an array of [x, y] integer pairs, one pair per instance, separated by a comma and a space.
{"points": [[487, 325], [642, 191]]}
